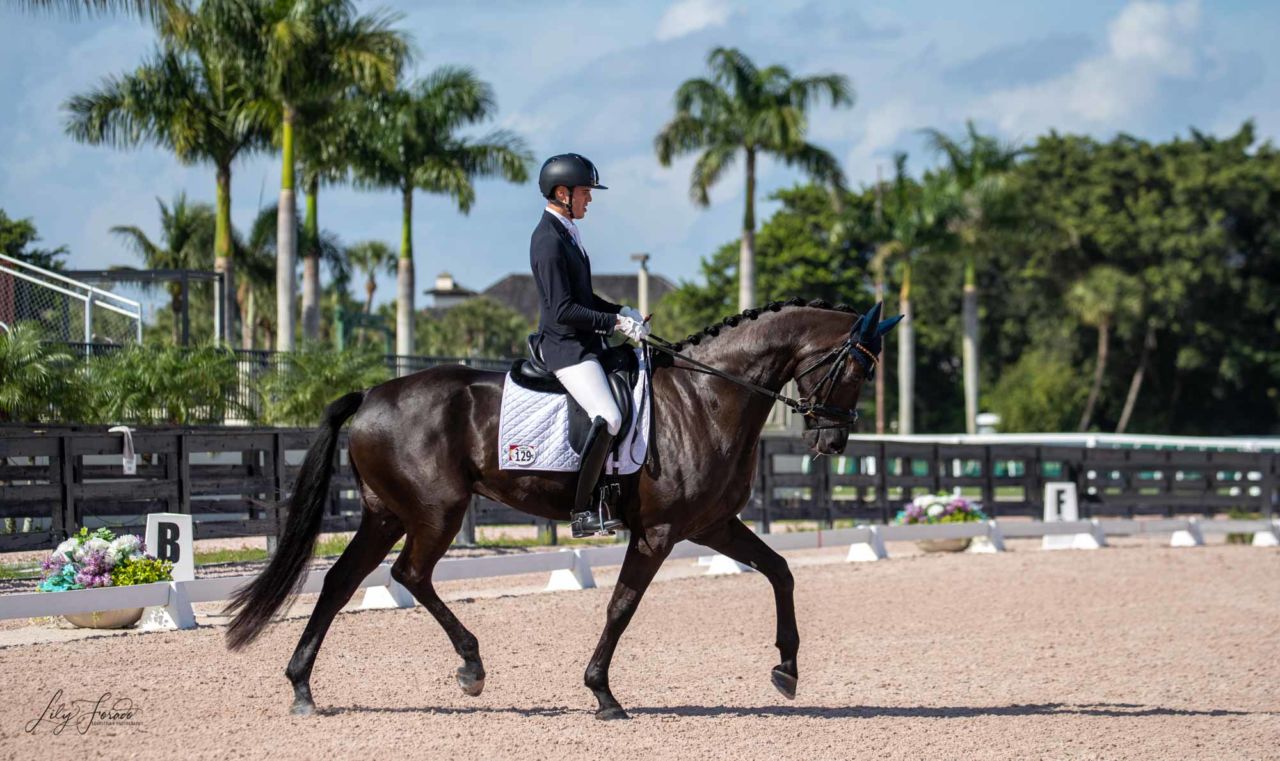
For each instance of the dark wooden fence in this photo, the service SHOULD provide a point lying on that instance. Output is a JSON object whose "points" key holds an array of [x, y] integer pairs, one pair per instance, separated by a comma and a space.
{"points": [[229, 480], [872, 480]]}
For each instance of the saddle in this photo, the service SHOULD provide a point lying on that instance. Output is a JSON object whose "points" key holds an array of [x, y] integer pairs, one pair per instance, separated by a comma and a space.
{"points": [[620, 368]]}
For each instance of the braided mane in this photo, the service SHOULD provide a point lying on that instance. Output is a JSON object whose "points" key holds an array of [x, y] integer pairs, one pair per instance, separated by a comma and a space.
{"points": [[733, 320]]}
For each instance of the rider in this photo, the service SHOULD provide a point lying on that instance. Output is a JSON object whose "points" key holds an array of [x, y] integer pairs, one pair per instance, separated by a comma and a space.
{"points": [[574, 323]]}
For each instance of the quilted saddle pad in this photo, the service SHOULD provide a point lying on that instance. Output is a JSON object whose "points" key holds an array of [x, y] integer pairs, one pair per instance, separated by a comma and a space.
{"points": [[533, 431]]}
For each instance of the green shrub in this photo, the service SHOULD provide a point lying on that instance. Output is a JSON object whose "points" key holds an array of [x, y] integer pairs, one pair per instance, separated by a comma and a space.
{"points": [[1041, 392], [142, 570], [298, 392], [39, 382], [167, 385]]}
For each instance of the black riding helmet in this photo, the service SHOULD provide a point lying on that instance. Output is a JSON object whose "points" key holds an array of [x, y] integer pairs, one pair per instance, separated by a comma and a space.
{"points": [[570, 170]]}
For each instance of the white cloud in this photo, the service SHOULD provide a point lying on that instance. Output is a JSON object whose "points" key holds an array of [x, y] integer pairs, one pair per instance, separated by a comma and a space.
{"points": [[689, 16], [1149, 46], [1157, 35]]}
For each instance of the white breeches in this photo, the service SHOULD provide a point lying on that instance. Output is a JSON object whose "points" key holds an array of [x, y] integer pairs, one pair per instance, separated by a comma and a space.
{"points": [[585, 381]]}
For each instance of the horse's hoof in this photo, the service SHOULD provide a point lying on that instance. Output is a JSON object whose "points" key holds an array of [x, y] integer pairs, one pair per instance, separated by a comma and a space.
{"points": [[609, 714], [302, 708], [785, 683], [469, 683]]}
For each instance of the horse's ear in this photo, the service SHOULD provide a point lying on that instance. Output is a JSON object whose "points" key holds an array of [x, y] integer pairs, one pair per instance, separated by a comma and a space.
{"points": [[870, 321], [888, 325], [857, 325]]}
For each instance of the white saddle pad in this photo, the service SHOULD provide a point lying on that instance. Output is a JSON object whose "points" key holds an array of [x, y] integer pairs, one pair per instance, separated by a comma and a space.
{"points": [[533, 431]]}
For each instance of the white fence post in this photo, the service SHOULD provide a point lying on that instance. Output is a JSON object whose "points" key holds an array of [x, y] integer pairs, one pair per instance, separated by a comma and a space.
{"points": [[1191, 536], [176, 614], [869, 551], [722, 565], [393, 595], [577, 576], [992, 543], [1268, 538]]}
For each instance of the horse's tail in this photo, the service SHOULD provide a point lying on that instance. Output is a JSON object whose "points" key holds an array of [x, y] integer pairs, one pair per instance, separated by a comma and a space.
{"points": [[256, 602]]}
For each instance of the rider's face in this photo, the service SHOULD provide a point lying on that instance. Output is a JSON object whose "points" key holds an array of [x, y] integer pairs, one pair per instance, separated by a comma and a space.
{"points": [[581, 197]]}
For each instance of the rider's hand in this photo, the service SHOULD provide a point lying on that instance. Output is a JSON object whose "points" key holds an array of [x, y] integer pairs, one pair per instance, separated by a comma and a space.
{"points": [[632, 313], [634, 329]]}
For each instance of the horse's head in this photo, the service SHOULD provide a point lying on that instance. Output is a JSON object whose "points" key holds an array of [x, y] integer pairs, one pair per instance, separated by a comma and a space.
{"points": [[831, 384]]}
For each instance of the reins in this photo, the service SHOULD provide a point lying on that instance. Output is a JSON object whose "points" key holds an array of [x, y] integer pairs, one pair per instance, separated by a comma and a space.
{"points": [[802, 406]]}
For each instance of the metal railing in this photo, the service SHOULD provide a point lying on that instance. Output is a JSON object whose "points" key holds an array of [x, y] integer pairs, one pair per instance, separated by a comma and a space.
{"points": [[65, 309]]}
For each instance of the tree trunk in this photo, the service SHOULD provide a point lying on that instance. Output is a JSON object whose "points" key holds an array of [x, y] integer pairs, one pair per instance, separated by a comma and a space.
{"points": [[1135, 385], [906, 357], [404, 283], [370, 286], [175, 306], [222, 252], [248, 321], [747, 254], [311, 265], [969, 348], [286, 239], [1099, 372]]}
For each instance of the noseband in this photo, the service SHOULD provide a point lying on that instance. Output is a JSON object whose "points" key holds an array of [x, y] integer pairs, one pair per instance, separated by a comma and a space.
{"points": [[838, 358]]}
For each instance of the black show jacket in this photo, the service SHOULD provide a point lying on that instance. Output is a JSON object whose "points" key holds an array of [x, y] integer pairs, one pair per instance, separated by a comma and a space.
{"points": [[572, 321]]}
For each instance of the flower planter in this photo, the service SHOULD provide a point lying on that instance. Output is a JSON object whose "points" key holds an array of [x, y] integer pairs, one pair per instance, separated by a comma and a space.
{"points": [[944, 545], [105, 619]]}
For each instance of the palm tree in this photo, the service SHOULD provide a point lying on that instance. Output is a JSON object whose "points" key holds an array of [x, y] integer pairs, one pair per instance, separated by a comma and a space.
{"points": [[407, 140], [256, 254], [371, 257], [186, 230], [188, 97], [1102, 296], [756, 111], [323, 159], [913, 216], [976, 166], [304, 52]]}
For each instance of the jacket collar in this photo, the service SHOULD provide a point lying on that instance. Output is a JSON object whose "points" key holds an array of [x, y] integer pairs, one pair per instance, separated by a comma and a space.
{"points": [[550, 219]]}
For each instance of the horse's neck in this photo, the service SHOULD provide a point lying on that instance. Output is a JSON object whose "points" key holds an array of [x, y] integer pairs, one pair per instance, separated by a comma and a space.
{"points": [[764, 351]]}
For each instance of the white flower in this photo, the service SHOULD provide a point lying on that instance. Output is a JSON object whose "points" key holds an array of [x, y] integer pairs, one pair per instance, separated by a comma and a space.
{"points": [[91, 546], [125, 547], [66, 550], [935, 510]]}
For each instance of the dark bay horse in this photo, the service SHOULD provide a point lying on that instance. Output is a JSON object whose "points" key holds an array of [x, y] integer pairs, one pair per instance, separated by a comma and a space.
{"points": [[423, 444]]}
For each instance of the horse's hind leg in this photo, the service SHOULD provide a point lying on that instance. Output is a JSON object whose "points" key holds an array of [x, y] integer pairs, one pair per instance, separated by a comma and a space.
{"points": [[427, 542], [738, 542], [375, 537]]}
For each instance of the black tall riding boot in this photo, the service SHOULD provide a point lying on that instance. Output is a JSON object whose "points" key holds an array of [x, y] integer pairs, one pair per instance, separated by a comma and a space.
{"points": [[593, 516]]}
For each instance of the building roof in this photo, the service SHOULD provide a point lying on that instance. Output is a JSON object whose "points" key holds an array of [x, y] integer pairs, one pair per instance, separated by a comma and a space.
{"points": [[519, 292]]}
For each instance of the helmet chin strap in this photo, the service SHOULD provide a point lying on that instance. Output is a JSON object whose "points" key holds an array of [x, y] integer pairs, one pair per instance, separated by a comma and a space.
{"points": [[568, 207]]}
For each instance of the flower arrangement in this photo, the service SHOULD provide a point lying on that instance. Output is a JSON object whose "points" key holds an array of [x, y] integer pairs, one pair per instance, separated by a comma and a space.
{"points": [[101, 559], [939, 508]]}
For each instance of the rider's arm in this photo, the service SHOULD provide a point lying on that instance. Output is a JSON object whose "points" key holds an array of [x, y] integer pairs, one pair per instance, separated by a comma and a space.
{"points": [[605, 305], [553, 287]]}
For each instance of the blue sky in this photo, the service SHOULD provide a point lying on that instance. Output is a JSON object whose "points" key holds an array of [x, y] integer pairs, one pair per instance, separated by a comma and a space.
{"points": [[598, 78]]}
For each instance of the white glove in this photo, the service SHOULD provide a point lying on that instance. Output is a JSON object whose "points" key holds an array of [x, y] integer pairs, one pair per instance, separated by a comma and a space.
{"points": [[632, 328], [632, 313]]}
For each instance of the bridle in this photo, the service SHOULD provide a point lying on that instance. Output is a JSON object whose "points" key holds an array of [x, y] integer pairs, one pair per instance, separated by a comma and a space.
{"points": [[810, 407]]}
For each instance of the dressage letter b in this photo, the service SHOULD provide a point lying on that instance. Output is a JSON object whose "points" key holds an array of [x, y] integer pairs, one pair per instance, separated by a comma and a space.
{"points": [[167, 539]]}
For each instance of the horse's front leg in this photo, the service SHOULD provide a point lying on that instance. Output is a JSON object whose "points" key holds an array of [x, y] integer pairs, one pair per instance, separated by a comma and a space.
{"points": [[644, 556], [734, 539]]}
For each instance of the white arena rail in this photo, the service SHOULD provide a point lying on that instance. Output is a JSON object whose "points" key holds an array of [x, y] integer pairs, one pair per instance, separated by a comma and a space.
{"points": [[169, 604]]}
